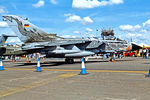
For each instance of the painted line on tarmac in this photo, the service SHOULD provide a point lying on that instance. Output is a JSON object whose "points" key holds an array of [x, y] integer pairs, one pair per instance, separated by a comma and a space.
{"points": [[118, 71], [74, 70], [34, 85]]}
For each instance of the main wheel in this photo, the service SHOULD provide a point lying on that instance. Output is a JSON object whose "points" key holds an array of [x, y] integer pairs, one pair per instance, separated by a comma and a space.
{"points": [[69, 60]]}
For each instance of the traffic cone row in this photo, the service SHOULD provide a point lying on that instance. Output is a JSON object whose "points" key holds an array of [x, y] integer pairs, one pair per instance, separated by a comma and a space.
{"points": [[38, 68]]}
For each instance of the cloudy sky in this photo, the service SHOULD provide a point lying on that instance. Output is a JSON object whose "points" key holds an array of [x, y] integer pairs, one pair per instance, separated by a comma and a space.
{"points": [[76, 18]]}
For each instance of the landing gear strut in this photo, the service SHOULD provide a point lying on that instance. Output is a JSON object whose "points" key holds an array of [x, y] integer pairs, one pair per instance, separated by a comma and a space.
{"points": [[69, 60]]}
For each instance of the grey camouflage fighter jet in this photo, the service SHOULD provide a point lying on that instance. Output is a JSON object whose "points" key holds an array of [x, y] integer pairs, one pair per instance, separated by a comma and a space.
{"points": [[36, 40]]}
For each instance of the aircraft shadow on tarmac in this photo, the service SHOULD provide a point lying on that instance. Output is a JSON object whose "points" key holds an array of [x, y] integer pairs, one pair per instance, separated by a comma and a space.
{"points": [[43, 64], [53, 63], [59, 63]]}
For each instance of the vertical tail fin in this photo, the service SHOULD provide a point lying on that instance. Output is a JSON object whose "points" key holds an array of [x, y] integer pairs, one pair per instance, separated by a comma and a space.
{"points": [[4, 37], [26, 31]]}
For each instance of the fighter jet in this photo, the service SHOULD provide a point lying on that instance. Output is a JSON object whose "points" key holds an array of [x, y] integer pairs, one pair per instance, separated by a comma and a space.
{"points": [[36, 40]]}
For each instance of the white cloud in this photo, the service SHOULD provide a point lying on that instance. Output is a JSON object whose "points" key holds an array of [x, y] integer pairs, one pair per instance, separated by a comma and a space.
{"points": [[88, 30], [137, 33], [7, 31], [84, 4], [91, 35], [87, 20], [40, 3], [3, 24], [53, 2], [130, 28], [115, 1], [69, 36], [147, 23], [133, 35], [143, 31], [66, 36], [12, 40], [141, 44], [67, 14], [76, 18], [74, 36], [73, 18], [3, 10], [136, 37], [76, 32]]}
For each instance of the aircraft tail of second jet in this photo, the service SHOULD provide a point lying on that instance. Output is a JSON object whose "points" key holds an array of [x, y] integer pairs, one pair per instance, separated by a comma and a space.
{"points": [[4, 37]]}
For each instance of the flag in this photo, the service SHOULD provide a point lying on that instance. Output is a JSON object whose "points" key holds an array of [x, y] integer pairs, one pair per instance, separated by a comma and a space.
{"points": [[26, 25], [3, 41]]}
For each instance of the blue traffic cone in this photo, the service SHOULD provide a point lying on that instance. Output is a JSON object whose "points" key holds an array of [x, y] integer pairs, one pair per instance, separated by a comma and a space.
{"points": [[114, 56], [104, 56], [38, 68], [17, 58], [1, 65], [146, 55], [33, 58], [149, 73], [83, 69]]}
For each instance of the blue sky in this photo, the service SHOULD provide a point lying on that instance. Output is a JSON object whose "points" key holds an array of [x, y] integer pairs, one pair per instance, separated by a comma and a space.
{"points": [[76, 18]]}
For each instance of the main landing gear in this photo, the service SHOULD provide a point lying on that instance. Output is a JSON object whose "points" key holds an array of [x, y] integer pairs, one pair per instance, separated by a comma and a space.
{"points": [[69, 60]]}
